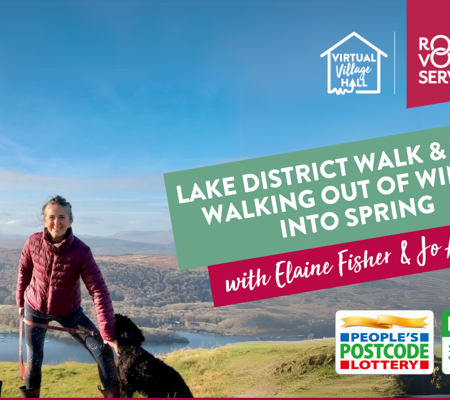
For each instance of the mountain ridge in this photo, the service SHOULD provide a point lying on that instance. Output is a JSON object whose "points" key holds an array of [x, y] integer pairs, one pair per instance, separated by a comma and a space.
{"points": [[112, 245]]}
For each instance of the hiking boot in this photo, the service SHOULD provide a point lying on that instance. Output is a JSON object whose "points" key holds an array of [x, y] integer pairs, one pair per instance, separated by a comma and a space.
{"points": [[112, 392], [29, 393]]}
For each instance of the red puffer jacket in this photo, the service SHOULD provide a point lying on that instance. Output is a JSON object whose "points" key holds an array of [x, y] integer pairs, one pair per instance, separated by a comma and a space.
{"points": [[49, 279]]}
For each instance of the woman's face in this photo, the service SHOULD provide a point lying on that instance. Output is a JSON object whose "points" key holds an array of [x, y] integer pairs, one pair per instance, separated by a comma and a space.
{"points": [[57, 221]]}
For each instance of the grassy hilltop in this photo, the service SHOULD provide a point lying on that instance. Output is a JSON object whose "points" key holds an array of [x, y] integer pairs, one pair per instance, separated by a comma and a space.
{"points": [[296, 369]]}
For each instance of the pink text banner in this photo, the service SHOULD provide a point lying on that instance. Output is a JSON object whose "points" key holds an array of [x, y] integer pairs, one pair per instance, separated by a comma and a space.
{"points": [[331, 266]]}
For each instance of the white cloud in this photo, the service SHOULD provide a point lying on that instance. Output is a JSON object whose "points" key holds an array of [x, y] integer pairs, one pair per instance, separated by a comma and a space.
{"points": [[20, 181]]}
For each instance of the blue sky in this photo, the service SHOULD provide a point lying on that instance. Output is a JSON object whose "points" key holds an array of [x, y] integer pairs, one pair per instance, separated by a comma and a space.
{"points": [[99, 99]]}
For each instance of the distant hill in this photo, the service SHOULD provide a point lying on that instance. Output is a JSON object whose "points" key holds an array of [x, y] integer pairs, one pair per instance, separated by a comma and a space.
{"points": [[155, 261], [154, 237], [112, 246], [5, 236], [9, 241], [13, 243]]}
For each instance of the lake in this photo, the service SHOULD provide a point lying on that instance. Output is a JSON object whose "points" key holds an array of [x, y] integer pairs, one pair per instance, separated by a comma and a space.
{"points": [[57, 350]]}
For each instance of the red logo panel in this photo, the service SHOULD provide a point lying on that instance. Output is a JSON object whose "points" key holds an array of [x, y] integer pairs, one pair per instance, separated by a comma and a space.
{"points": [[428, 52]]}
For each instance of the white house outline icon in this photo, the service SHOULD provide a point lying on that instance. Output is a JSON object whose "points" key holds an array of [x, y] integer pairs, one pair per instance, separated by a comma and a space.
{"points": [[379, 53]]}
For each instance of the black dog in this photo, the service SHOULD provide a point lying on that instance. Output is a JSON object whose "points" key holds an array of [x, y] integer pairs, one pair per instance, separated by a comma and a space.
{"points": [[139, 371]]}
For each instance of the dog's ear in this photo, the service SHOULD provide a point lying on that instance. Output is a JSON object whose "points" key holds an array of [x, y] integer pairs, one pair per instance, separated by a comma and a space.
{"points": [[134, 337], [127, 333]]}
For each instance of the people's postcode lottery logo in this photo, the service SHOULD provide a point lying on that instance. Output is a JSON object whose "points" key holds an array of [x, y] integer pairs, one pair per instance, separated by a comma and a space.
{"points": [[385, 342], [354, 66]]}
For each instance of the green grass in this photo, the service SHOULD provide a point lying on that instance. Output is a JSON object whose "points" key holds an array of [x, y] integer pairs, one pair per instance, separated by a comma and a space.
{"points": [[299, 369], [70, 379], [295, 369]]}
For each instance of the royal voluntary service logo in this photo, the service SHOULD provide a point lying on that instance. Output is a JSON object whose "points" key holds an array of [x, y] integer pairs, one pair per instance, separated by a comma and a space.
{"points": [[428, 52], [434, 56], [354, 66], [385, 342]]}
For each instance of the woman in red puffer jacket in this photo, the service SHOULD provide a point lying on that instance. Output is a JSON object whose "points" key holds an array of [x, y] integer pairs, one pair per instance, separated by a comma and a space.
{"points": [[48, 289]]}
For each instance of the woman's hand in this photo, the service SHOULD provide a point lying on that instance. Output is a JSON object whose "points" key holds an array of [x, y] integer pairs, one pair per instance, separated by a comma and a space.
{"points": [[114, 345], [21, 311]]}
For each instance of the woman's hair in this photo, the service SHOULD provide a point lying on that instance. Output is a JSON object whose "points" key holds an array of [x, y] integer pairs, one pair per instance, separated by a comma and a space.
{"points": [[60, 201]]}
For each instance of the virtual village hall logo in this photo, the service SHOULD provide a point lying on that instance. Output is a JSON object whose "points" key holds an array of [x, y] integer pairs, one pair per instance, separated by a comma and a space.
{"points": [[385, 342], [354, 66]]}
